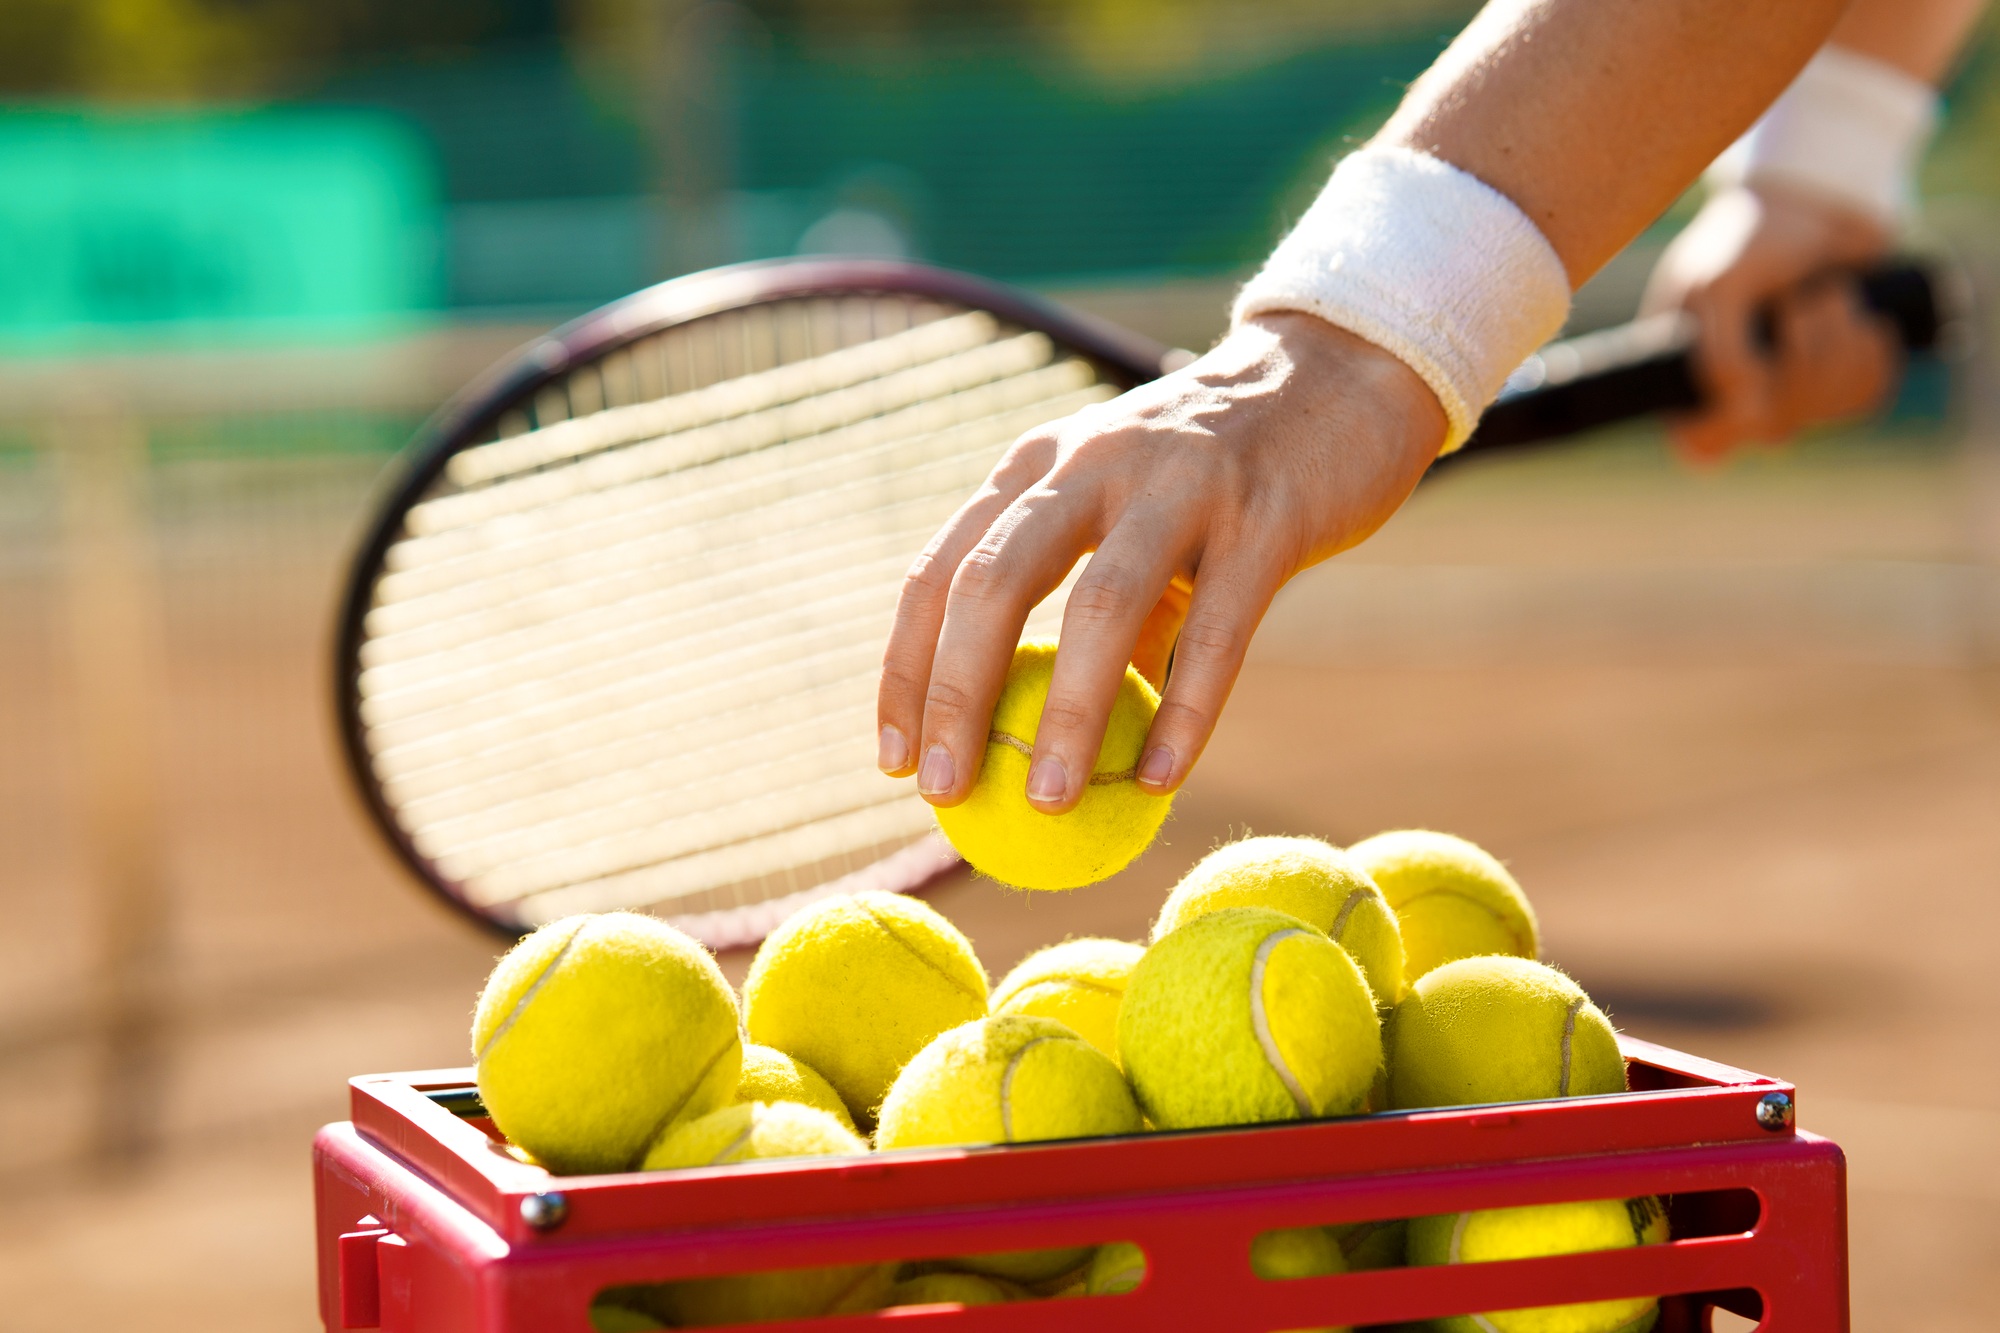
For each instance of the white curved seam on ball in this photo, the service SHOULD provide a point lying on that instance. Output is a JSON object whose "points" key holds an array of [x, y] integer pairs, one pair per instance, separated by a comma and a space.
{"points": [[1135, 1274], [1079, 983], [1453, 1254], [1007, 1089], [1346, 910], [740, 1141], [1569, 1037], [521, 1003], [1260, 1022], [914, 951], [1014, 742], [674, 1113]]}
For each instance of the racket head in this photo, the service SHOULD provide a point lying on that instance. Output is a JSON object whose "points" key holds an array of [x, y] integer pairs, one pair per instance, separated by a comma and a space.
{"points": [[464, 676]]}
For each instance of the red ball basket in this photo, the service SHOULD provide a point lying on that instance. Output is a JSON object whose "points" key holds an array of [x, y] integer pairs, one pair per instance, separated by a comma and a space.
{"points": [[426, 1224]]}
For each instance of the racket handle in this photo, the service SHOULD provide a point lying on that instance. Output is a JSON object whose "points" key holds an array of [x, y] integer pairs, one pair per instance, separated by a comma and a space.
{"points": [[1644, 367]]}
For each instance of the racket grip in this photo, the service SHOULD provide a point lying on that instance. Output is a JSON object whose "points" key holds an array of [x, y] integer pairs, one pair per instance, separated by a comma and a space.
{"points": [[1644, 367]]}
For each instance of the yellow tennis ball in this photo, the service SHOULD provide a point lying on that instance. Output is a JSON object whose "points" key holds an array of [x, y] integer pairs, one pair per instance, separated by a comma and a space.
{"points": [[1536, 1231], [856, 985], [955, 1289], [1366, 1246], [1302, 877], [751, 1131], [1008, 1079], [1002, 836], [1115, 1269], [1078, 982], [757, 1132], [596, 1032], [1295, 1252], [1275, 1255], [1499, 1030], [621, 1310], [772, 1076], [1246, 1015], [1452, 898]]}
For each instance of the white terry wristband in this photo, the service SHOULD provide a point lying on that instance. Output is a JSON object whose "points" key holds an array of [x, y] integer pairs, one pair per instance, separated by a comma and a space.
{"points": [[1850, 126], [1427, 262]]}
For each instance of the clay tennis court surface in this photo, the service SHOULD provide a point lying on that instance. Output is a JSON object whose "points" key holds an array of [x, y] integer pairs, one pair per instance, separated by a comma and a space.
{"points": [[1739, 736]]}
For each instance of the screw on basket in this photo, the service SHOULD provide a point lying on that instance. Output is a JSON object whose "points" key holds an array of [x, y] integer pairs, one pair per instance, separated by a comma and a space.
{"points": [[546, 1212], [1774, 1112]]}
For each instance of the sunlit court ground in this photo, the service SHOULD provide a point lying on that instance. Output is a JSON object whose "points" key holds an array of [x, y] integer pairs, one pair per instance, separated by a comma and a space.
{"points": [[1737, 733]]}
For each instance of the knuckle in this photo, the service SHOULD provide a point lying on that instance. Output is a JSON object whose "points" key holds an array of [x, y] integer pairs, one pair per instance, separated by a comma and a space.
{"points": [[1063, 717], [979, 577], [1210, 636], [899, 681], [1103, 595], [1178, 717], [947, 700], [927, 577]]}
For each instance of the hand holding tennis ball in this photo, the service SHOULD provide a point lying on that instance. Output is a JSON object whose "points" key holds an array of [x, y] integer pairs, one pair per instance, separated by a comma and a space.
{"points": [[595, 1033], [1002, 836]]}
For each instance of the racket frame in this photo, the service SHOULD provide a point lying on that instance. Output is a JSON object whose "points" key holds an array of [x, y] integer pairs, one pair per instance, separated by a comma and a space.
{"points": [[1124, 358]]}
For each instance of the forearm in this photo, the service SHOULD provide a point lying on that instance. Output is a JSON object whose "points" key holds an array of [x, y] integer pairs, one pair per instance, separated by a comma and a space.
{"points": [[1593, 117], [1919, 37]]}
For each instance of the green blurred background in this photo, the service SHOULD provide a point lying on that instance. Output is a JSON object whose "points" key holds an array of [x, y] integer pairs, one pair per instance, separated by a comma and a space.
{"points": [[1736, 731]]}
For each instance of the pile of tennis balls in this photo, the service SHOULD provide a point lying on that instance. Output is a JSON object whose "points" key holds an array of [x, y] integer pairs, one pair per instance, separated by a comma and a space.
{"points": [[1285, 979]]}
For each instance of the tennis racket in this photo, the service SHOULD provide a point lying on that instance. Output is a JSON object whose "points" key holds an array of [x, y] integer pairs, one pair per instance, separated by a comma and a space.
{"points": [[612, 636]]}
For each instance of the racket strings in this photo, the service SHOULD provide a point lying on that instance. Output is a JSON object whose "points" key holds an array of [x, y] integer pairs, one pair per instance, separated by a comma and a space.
{"points": [[625, 654]]}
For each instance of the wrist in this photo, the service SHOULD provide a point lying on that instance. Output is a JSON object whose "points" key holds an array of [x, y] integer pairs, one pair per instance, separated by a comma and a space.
{"points": [[1330, 360], [1428, 264], [1850, 129]]}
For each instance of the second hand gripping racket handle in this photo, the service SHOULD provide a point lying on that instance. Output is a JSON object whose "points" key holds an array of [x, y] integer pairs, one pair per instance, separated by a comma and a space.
{"points": [[1644, 367]]}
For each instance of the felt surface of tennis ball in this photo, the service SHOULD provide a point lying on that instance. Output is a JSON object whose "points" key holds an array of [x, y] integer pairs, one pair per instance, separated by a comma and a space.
{"points": [[596, 1032], [760, 1132], [1245, 1015], [955, 1289], [1302, 877], [1295, 1252], [621, 1310], [772, 1076], [1116, 1268], [1078, 982], [1452, 898], [1536, 1231], [1499, 1030], [1366, 1246], [752, 1131], [854, 986], [1008, 1079], [1005, 838]]}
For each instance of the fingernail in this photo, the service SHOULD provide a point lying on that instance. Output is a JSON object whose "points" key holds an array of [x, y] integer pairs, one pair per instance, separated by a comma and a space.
{"points": [[938, 772], [892, 752], [1157, 766], [1048, 780]]}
